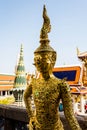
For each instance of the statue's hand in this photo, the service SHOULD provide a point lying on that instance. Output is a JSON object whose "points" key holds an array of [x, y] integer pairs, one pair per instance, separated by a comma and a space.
{"points": [[32, 124]]}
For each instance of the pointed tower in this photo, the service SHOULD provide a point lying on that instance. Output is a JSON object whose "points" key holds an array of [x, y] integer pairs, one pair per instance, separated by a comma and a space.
{"points": [[20, 78]]}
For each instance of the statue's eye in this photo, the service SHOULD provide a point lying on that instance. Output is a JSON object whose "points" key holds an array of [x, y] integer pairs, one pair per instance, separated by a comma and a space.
{"points": [[38, 61]]}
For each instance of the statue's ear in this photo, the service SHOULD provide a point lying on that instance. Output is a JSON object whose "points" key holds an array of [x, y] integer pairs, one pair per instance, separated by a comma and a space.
{"points": [[53, 57]]}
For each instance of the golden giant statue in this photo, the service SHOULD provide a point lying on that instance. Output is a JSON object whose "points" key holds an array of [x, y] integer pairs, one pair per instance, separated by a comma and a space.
{"points": [[48, 90]]}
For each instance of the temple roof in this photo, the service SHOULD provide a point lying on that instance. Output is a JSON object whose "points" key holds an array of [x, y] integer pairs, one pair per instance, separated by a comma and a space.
{"points": [[71, 73], [6, 82], [82, 55], [76, 90]]}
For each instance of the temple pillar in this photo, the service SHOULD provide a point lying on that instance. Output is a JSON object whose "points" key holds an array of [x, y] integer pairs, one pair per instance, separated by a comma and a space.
{"points": [[82, 103], [1, 93], [6, 92]]}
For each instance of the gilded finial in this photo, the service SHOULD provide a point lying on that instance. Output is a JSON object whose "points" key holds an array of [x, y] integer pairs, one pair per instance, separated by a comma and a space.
{"points": [[46, 25], [78, 52], [44, 41]]}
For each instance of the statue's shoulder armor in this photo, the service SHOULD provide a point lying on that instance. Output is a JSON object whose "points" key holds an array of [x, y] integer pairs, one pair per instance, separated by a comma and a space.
{"points": [[64, 85]]}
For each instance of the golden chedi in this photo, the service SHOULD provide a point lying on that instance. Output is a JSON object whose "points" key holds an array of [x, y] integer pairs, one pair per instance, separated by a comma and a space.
{"points": [[48, 90]]}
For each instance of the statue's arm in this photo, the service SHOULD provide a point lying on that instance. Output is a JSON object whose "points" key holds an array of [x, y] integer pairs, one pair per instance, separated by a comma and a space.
{"points": [[27, 100], [68, 107]]}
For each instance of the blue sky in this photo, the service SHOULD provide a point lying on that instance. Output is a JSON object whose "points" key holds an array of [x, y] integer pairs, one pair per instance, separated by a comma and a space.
{"points": [[21, 21]]}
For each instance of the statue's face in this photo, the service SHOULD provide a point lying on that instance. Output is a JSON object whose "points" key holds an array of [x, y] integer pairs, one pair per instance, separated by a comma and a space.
{"points": [[43, 62]]}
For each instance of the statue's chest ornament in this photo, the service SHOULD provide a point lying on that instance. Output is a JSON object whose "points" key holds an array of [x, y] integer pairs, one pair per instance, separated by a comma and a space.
{"points": [[46, 90], [36, 93], [45, 93]]}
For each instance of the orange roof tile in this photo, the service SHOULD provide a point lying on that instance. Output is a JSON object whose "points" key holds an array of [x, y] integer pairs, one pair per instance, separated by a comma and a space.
{"points": [[6, 77], [4, 88], [6, 82]]}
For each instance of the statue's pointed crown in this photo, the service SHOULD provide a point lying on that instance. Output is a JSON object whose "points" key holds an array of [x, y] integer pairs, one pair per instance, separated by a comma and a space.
{"points": [[46, 28]]}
